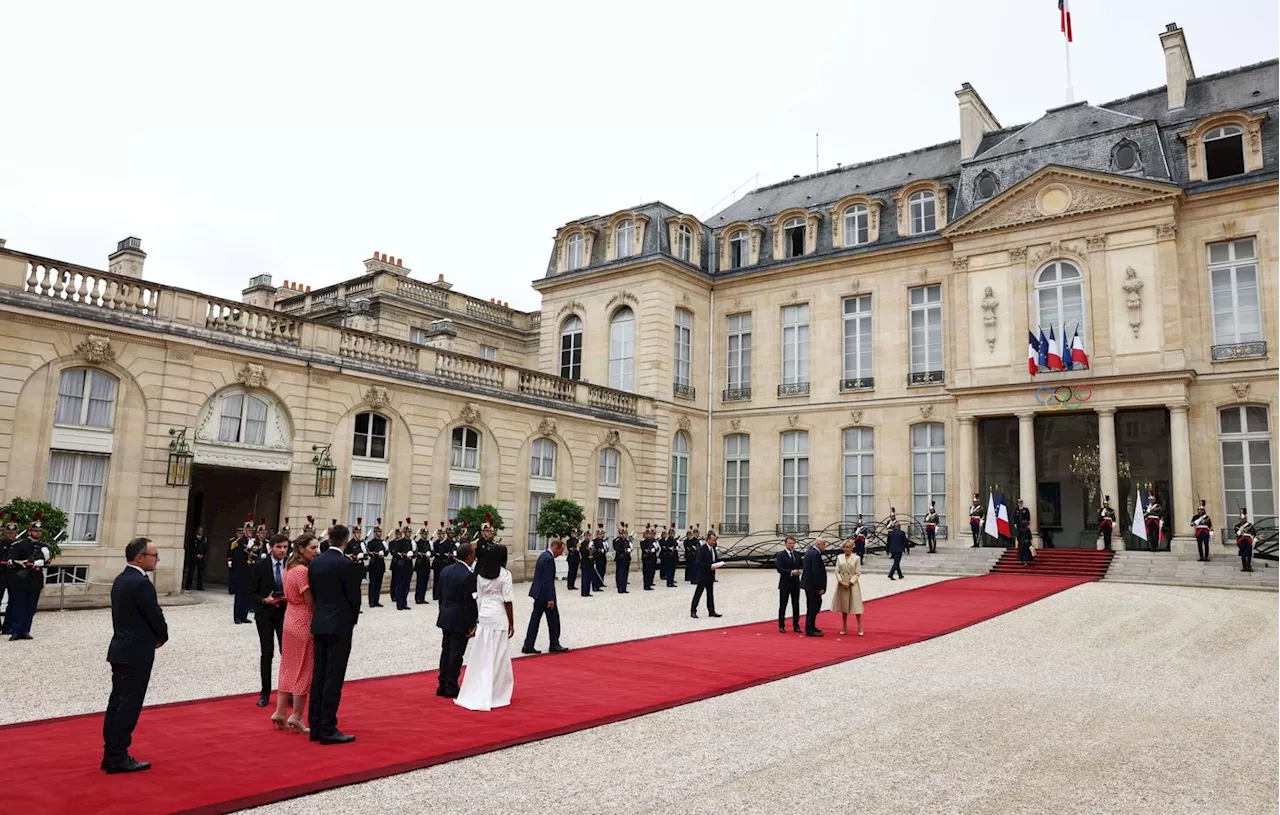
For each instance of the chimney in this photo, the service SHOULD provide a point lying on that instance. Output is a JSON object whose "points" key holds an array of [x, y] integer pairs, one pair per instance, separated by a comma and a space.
{"points": [[260, 293], [975, 121], [128, 258], [441, 283], [1177, 65]]}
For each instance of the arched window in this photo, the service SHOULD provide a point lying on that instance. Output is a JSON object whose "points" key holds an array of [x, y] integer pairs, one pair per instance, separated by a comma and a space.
{"points": [[1060, 299], [680, 480], [859, 473], [737, 483], [86, 398], [929, 469], [922, 208], [543, 463], [683, 352], [609, 461], [465, 452], [795, 481], [243, 419], [1224, 152], [622, 349], [624, 236], [574, 252], [571, 348], [370, 436], [856, 225], [1247, 479], [684, 243], [793, 237], [738, 249]]}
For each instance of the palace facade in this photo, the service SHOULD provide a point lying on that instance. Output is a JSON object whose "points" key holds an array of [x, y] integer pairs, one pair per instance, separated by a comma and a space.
{"points": [[835, 344]]}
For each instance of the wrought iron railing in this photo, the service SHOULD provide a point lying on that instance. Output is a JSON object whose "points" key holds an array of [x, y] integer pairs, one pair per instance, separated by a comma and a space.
{"points": [[792, 529], [727, 528], [793, 389], [683, 391], [1267, 541], [926, 378], [1239, 350], [865, 383], [736, 394]]}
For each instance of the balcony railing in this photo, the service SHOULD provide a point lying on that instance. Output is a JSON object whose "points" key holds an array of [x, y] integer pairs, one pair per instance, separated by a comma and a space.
{"points": [[736, 394], [727, 528], [683, 391], [792, 529], [1239, 350], [865, 383], [490, 312], [793, 389], [926, 378]]}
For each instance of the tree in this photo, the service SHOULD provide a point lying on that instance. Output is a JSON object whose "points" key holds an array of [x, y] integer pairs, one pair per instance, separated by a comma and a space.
{"points": [[558, 517], [475, 517], [52, 519]]}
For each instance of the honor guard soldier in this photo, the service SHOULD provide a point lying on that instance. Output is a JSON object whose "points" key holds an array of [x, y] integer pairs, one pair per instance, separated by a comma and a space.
{"points": [[8, 537], [1203, 527], [197, 553], [1106, 521], [1245, 535], [573, 557], [376, 548], [931, 527], [27, 558], [648, 557], [258, 544], [860, 539], [600, 558], [401, 553], [669, 557], [324, 539], [1155, 522], [444, 550], [691, 544], [422, 564], [622, 558], [238, 571], [485, 537], [1022, 513], [354, 549], [587, 556], [975, 520]]}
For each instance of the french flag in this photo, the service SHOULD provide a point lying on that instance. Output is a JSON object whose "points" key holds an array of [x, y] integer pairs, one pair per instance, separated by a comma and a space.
{"points": [[1002, 518], [992, 526], [1055, 352], [1078, 356], [1064, 15], [1033, 354]]}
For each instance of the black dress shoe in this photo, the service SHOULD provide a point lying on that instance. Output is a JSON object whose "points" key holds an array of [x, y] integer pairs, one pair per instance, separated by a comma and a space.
{"points": [[337, 737], [315, 734], [129, 765], [694, 614], [713, 614], [264, 700], [450, 694], [558, 649], [530, 651], [798, 630], [815, 634], [782, 629], [439, 691]]}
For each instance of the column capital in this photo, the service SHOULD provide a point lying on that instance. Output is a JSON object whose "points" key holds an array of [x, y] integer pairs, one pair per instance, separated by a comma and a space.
{"points": [[1105, 411], [1179, 408], [967, 419], [1027, 416]]}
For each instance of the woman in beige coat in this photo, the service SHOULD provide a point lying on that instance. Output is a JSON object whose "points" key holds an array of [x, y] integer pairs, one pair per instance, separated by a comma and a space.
{"points": [[848, 599]]}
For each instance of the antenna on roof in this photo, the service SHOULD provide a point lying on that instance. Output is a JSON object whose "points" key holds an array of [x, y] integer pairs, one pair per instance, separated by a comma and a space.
{"points": [[817, 168], [753, 181]]}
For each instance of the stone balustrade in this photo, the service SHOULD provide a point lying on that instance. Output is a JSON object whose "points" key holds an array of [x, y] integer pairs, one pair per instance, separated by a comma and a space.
{"points": [[469, 369], [551, 387], [490, 312], [260, 324], [89, 287], [415, 290]]}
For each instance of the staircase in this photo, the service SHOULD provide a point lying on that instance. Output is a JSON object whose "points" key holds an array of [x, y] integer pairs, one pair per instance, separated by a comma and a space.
{"points": [[1088, 563]]}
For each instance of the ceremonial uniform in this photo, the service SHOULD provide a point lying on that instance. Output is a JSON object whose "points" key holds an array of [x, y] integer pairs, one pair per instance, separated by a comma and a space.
{"points": [[1155, 523], [622, 559], [690, 555], [587, 552], [197, 555], [238, 572], [8, 537], [859, 543], [1203, 526], [975, 521], [27, 557], [355, 549], [600, 559], [670, 557], [422, 565], [445, 551], [1245, 534], [573, 557], [931, 527], [1106, 522], [376, 549], [485, 538], [401, 551], [648, 558]]}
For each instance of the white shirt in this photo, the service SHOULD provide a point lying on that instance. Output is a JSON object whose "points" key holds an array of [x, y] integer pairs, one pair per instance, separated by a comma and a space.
{"points": [[140, 570]]}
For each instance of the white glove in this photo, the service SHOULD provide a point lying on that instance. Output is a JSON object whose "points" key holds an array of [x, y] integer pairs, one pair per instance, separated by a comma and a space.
{"points": [[39, 562]]}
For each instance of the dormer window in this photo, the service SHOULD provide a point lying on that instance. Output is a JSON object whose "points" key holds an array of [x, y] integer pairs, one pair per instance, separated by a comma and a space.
{"points": [[625, 235], [738, 243], [856, 225], [793, 237], [1125, 156], [574, 252], [923, 212], [684, 243], [986, 186], [1224, 152]]}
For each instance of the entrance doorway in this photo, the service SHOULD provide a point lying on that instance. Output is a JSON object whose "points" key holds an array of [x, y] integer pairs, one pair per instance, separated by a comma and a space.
{"points": [[1067, 499], [222, 499], [1142, 440]]}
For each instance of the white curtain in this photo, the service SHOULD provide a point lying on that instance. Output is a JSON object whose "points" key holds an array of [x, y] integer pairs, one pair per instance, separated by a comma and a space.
{"points": [[93, 475], [255, 428], [70, 396], [102, 395], [60, 489], [229, 427]]}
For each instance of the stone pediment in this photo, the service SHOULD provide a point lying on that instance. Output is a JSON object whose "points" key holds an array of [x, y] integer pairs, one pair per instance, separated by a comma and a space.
{"points": [[1060, 192]]}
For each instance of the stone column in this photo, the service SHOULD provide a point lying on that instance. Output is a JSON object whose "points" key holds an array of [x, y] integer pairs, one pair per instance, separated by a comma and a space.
{"points": [[1180, 460], [966, 477], [1109, 470], [1027, 475]]}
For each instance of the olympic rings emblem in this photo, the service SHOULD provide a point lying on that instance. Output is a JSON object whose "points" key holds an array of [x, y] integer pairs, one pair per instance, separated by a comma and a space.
{"points": [[1063, 397]]}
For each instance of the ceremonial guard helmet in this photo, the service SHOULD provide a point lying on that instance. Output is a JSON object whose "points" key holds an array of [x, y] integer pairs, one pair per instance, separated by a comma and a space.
{"points": [[425, 531], [262, 529], [488, 523], [13, 525], [284, 530], [248, 525], [356, 530], [37, 523], [377, 528], [309, 528]]}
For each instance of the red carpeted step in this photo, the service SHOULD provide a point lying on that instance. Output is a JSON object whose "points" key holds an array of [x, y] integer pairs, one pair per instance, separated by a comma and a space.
{"points": [[1084, 563], [208, 754]]}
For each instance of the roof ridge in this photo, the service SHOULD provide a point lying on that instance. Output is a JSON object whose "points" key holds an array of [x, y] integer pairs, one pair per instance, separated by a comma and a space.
{"points": [[856, 166], [1229, 72]]}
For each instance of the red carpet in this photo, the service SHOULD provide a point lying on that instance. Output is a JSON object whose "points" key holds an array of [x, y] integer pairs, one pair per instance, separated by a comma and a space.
{"points": [[220, 755]]}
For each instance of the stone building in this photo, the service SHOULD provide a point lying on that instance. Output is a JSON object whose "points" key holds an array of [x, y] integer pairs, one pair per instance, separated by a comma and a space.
{"points": [[839, 343]]}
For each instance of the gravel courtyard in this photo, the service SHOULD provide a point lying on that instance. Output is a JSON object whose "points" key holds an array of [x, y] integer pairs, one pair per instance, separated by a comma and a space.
{"points": [[1102, 699]]}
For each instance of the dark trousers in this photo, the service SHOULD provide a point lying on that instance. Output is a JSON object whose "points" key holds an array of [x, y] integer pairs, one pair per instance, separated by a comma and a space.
{"points": [[975, 529], [1202, 545], [669, 572], [688, 571], [453, 645], [573, 575], [328, 672], [553, 625], [600, 568], [24, 596], [793, 595], [1246, 559], [240, 588], [4, 589], [710, 589], [588, 577], [621, 574], [812, 605], [437, 567], [1153, 536], [1106, 537], [375, 584], [931, 536], [270, 627], [128, 690], [423, 572], [896, 565], [194, 568], [400, 580], [648, 570]]}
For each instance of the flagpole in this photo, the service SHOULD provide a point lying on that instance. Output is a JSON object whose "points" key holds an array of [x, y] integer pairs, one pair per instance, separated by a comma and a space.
{"points": [[1066, 49]]}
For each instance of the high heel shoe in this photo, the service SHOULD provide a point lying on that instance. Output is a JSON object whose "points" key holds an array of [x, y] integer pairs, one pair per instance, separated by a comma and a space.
{"points": [[297, 726], [278, 721]]}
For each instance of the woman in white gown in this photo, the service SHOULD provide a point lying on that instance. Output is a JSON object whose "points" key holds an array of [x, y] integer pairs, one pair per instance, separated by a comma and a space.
{"points": [[489, 681]]}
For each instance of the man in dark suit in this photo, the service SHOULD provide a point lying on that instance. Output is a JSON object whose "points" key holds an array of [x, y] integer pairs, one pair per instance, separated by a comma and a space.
{"points": [[896, 544], [335, 586], [138, 629], [704, 575], [543, 592], [788, 563], [457, 617], [813, 579], [266, 592]]}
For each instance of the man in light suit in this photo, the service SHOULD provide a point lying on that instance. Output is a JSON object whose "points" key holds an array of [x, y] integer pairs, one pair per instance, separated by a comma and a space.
{"points": [[335, 585], [543, 592], [788, 563], [138, 631], [813, 580], [704, 574], [457, 618]]}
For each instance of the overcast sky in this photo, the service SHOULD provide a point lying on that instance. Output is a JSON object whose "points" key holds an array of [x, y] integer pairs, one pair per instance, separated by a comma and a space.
{"points": [[296, 140]]}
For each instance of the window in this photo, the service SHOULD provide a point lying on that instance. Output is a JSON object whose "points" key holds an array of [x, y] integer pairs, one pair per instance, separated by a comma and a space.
{"points": [[368, 500], [418, 336], [795, 346], [462, 497], [793, 237], [243, 420], [609, 467], [544, 459], [985, 186], [489, 352], [1224, 152], [1233, 282], [857, 343], [926, 335], [536, 500], [737, 482], [1060, 299], [929, 469], [738, 377], [574, 252], [625, 237], [607, 514], [1246, 463], [795, 479], [75, 486], [371, 436], [684, 243], [922, 208], [571, 348], [738, 249], [1125, 156], [683, 348], [859, 473], [856, 230], [465, 453], [622, 350], [680, 481], [85, 398]]}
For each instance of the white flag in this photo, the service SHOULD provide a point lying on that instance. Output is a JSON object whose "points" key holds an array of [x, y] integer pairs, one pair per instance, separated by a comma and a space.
{"points": [[991, 527], [1139, 516]]}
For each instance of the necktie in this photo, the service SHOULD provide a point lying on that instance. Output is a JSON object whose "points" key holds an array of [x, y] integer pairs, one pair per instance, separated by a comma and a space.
{"points": [[279, 582]]}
